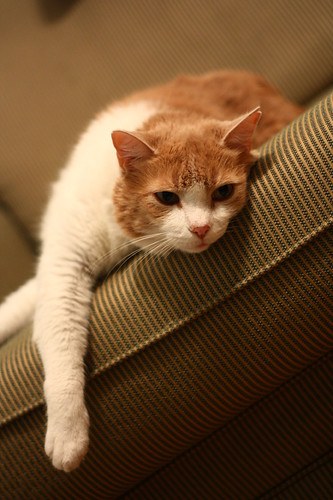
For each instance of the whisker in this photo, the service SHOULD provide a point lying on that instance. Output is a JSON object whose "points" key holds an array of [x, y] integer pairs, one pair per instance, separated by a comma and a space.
{"points": [[152, 252], [138, 250], [100, 261], [155, 252], [118, 265], [122, 262], [165, 249], [147, 250]]}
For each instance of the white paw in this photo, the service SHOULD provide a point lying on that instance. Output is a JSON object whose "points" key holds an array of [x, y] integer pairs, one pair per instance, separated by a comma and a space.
{"points": [[67, 440]]}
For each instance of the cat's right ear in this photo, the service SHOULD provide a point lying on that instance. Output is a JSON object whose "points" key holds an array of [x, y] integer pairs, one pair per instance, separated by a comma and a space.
{"points": [[240, 135], [130, 147]]}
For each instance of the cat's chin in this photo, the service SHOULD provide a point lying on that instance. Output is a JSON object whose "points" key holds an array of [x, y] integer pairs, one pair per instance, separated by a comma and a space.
{"points": [[196, 249]]}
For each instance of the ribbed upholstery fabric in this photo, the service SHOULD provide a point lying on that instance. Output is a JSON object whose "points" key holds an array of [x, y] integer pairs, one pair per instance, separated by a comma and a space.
{"points": [[313, 482], [278, 441], [15, 244], [209, 376]]}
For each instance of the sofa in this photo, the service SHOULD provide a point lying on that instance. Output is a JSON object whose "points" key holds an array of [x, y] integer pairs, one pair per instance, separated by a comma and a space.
{"points": [[209, 375]]}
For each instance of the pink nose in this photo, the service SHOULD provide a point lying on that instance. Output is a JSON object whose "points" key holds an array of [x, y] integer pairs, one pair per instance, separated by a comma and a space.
{"points": [[200, 231]]}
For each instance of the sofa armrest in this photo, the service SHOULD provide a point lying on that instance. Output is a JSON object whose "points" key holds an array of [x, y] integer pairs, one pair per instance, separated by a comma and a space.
{"points": [[181, 348]]}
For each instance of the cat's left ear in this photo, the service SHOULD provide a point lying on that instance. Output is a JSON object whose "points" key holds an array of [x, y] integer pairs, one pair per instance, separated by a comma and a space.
{"points": [[240, 134], [130, 146]]}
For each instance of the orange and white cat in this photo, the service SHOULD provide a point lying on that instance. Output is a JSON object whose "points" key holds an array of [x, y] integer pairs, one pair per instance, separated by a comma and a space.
{"points": [[171, 178]]}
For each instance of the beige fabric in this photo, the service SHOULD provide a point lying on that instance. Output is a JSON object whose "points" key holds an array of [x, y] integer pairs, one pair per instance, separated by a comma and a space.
{"points": [[208, 376], [13, 244]]}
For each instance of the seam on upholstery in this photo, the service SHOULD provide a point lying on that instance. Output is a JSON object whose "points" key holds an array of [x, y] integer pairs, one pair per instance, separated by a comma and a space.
{"points": [[234, 421], [297, 246], [298, 476], [132, 352], [21, 412]]}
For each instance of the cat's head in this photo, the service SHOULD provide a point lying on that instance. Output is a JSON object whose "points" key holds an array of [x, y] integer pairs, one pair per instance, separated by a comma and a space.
{"points": [[182, 182]]}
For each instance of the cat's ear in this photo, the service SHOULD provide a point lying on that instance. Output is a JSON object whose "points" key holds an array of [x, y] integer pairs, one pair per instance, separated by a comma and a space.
{"points": [[240, 134], [130, 147]]}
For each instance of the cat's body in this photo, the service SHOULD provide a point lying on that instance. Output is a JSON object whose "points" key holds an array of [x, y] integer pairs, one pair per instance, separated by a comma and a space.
{"points": [[173, 180]]}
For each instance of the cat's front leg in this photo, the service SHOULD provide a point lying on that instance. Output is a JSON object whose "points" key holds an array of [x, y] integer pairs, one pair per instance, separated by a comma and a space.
{"points": [[60, 330]]}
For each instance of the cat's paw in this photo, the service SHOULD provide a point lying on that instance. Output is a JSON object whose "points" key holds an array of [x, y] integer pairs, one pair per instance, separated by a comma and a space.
{"points": [[67, 441]]}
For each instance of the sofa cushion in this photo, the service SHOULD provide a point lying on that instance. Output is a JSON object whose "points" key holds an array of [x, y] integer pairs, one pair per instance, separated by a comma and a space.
{"points": [[276, 448], [182, 348], [15, 244]]}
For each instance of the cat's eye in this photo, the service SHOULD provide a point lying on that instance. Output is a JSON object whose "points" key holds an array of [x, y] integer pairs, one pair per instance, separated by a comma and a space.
{"points": [[223, 192], [167, 197]]}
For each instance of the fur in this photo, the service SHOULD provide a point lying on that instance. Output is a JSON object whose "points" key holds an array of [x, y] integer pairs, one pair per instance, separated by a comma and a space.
{"points": [[193, 139]]}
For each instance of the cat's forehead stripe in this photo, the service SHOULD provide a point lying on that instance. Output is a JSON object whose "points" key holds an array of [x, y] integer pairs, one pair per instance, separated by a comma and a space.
{"points": [[192, 173]]}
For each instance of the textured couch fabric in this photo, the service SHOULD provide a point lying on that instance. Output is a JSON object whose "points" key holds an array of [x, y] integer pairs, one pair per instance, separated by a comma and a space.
{"points": [[209, 376]]}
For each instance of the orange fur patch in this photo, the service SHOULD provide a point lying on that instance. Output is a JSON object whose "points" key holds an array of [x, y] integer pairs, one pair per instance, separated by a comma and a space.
{"points": [[186, 132]]}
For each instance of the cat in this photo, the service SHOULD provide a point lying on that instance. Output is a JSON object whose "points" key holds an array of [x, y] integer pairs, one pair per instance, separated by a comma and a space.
{"points": [[162, 170]]}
